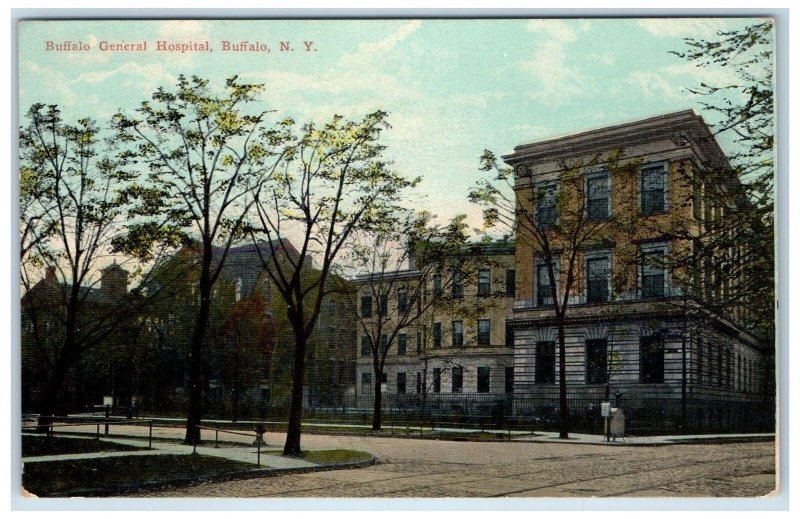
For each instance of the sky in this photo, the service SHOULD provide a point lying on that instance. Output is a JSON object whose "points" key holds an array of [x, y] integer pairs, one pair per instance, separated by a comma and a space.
{"points": [[452, 87]]}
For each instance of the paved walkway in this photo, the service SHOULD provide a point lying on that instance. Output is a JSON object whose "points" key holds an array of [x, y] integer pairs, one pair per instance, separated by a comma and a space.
{"points": [[247, 454]]}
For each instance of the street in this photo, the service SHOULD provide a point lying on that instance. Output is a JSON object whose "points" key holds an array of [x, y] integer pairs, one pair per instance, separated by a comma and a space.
{"points": [[430, 468]]}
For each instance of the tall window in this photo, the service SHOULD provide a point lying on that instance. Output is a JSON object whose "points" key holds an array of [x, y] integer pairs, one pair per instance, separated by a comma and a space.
{"points": [[598, 277], [597, 198], [402, 301], [437, 285], [509, 379], [544, 296], [366, 383], [419, 382], [653, 278], [437, 335], [383, 307], [401, 383], [366, 346], [484, 332], [596, 361], [458, 285], [509, 335], [458, 333], [384, 343], [653, 189], [484, 377], [545, 362], [546, 211], [458, 379], [419, 342], [651, 360], [366, 306], [484, 282], [511, 282], [402, 343], [437, 380]]}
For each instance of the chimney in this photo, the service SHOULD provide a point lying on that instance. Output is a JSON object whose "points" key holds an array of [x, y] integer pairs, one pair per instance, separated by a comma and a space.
{"points": [[114, 281]]}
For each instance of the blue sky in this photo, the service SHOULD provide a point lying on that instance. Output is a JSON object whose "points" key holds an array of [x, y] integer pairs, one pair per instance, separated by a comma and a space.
{"points": [[452, 87]]}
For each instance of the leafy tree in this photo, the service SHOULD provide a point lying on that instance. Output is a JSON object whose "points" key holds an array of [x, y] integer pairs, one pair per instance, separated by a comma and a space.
{"points": [[73, 224], [401, 296], [205, 156], [331, 182], [552, 220]]}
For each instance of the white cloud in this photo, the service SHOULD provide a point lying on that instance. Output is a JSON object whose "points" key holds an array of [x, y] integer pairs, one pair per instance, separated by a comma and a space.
{"points": [[703, 28], [555, 79], [670, 81], [369, 52]]}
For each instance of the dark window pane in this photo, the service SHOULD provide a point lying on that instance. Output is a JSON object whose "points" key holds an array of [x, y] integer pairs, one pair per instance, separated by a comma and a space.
{"points": [[511, 282], [509, 379], [437, 380], [384, 343], [458, 380], [402, 343], [653, 182], [653, 274], [545, 362], [544, 296], [402, 301], [419, 382], [383, 309], [437, 335], [437, 285], [366, 383], [651, 360], [366, 346], [597, 194], [366, 306], [458, 333], [401, 383], [597, 280], [484, 332], [483, 380], [458, 286], [546, 211], [509, 334], [484, 282], [596, 361]]}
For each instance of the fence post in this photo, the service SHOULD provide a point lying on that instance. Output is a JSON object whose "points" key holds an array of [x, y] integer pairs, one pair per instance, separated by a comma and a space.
{"points": [[150, 436], [216, 438]]}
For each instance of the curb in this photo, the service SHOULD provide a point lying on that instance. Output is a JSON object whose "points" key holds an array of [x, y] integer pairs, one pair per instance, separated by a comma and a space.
{"points": [[187, 482]]}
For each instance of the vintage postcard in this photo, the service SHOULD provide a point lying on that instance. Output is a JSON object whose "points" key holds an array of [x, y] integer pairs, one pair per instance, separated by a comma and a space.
{"points": [[406, 258]]}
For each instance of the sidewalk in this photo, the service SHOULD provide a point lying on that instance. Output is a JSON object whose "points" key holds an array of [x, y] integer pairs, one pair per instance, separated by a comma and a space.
{"points": [[247, 454]]}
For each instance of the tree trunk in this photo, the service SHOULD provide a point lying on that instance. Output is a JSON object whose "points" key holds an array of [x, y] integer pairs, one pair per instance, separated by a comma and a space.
{"points": [[292, 445], [377, 403], [562, 382], [196, 356]]}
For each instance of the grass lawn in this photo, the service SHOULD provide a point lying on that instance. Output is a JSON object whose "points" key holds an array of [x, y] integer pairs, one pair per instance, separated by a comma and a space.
{"points": [[62, 477], [44, 446]]}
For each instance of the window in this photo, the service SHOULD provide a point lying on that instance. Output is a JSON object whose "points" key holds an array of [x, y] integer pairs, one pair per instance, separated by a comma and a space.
{"points": [[366, 346], [458, 333], [651, 360], [546, 211], [402, 301], [544, 296], [596, 361], [419, 342], [509, 334], [437, 285], [483, 380], [653, 278], [484, 282], [509, 379], [437, 380], [458, 286], [437, 335], [402, 343], [545, 363], [597, 198], [384, 343], [484, 332], [419, 382], [366, 306], [401, 383], [383, 307], [511, 282], [458, 380], [598, 277], [653, 190], [366, 383]]}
